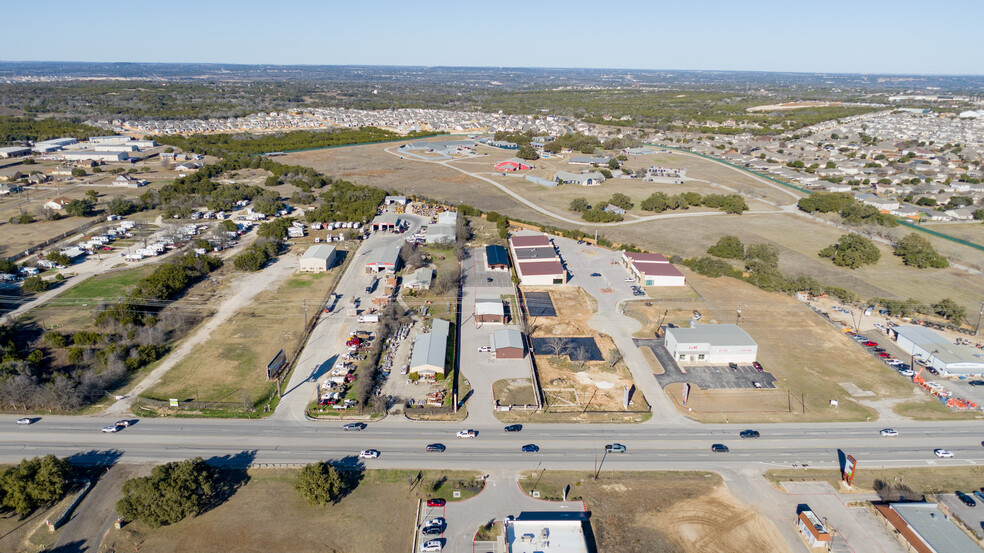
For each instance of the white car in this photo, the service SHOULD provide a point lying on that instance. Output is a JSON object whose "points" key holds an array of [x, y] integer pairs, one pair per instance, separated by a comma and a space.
{"points": [[889, 432], [25, 420], [466, 434], [943, 453], [123, 423], [484, 349], [629, 279], [433, 545], [112, 428], [368, 454], [439, 521]]}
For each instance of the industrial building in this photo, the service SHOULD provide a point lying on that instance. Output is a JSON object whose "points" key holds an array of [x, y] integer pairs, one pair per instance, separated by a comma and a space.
{"points": [[546, 532], [490, 310], [652, 269], [496, 258], [386, 258], [711, 345], [14, 151], [584, 179], [926, 529], [386, 221], [938, 352], [85, 155], [445, 230], [317, 259], [536, 260], [507, 344], [430, 350], [52, 145]]}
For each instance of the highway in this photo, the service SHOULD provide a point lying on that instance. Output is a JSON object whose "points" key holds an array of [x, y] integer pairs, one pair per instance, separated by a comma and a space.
{"points": [[562, 446]]}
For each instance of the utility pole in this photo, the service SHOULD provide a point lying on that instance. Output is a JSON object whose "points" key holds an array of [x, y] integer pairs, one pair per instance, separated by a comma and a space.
{"points": [[978, 329]]}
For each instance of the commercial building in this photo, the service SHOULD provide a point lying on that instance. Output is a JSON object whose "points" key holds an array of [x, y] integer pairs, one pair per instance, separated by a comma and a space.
{"points": [[14, 151], [445, 230], [496, 258], [513, 164], [652, 269], [711, 345], [490, 310], [814, 531], [386, 221], [430, 350], [584, 179], [52, 145], [386, 258], [83, 155], [536, 260], [317, 259], [114, 139], [507, 344], [546, 532], [926, 529], [400, 200], [938, 352]]}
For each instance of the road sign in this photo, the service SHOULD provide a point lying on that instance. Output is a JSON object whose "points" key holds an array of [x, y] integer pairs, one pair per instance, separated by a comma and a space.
{"points": [[276, 365], [173, 402], [849, 467], [686, 392]]}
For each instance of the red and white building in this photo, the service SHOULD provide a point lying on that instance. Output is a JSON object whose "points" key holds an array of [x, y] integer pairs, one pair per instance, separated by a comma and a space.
{"points": [[652, 269], [536, 260], [513, 164]]}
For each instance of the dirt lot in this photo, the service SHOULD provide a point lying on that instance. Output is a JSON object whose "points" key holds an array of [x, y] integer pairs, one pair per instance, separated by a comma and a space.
{"points": [[672, 512], [28, 535], [921, 480]]}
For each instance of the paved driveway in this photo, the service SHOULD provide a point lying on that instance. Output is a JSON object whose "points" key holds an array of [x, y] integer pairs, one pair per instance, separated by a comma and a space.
{"points": [[706, 377]]}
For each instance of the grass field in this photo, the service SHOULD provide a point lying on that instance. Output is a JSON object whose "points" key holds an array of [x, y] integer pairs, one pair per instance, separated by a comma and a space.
{"points": [[232, 362], [686, 512], [923, 480]]}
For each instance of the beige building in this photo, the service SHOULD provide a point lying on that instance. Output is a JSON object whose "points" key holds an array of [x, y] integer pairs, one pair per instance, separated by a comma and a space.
{"points": [[317, 259]]}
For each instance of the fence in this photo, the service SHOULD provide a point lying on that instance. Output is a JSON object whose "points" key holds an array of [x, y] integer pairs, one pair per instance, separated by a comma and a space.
{"points": [[56, 239], [537, 390]]}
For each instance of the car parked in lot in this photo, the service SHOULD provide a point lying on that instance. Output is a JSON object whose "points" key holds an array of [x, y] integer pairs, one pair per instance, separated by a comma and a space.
{"points": [[436, 502], [615, 448], [758, 366], [596, 274], [749, 434], [870, 344], [467, 433], [967, 500], [943, 453], [354, 426], [530, 448], [432, 545], [369, 454], [889, 432], [435, 447], [877, 350], [439, 522], [979, 495], [719, 448], [25, 420], [431, 530], [733, 366], [112, 428], [629, 279], [636, 291], [513, 428], [884, 354]]}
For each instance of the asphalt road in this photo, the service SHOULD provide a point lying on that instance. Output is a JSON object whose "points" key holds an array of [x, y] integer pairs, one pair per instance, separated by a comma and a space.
{"points": [[562, 446]]}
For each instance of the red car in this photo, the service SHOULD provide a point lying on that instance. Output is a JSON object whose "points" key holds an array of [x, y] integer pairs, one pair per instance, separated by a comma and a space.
{"points": [[758, 366], [436, 502], [884, 354], [871, 344]]}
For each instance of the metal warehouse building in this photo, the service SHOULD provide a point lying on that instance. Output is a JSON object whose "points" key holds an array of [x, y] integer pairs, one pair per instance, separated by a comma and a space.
{"points": [[430, 350], [496, 258], [938, 352], [711, 345], [383, 259], [507, 344], [318, 258], [652, 269], [536, 260], [490, 310], [87, 155]]}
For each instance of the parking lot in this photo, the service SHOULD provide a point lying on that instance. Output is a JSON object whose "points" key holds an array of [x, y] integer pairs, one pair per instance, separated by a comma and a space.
{"points": [[973, 517], [706, 377]]}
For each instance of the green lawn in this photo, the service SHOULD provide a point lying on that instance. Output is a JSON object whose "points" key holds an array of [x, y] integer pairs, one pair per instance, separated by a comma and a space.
{"points": [[107, 286]]}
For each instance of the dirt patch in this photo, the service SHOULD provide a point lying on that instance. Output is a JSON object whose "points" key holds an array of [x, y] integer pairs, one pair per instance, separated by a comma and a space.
{"points": [[716, 522], [516, 391]]}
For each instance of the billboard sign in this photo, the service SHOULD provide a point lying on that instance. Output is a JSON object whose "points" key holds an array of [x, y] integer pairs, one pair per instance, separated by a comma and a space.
{"points": [[686, 392], [173, 402], [850, 465], [277, 364]]}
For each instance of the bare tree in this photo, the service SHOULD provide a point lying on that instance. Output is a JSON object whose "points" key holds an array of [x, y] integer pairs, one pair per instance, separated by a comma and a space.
{"points": [[557, 345], [579, 355]]}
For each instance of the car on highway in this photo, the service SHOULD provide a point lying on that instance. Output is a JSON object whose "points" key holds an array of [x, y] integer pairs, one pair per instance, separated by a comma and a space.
{"points": [[615, 448], [435, 447], [596, 274], [25, 420], [719, 448], [436, 502], [530, 448], [467, 433], [124, 423], [369, 454], [758, 366], [749, 434], [112, 428], [943, 453], [889, 432], [354, 426], [966, 499], [439, 521], [432, 545], [431, 530], [514, 428]]}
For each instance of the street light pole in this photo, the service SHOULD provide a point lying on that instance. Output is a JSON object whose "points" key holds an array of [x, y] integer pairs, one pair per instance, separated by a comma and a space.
{"points": [[978, 329]]}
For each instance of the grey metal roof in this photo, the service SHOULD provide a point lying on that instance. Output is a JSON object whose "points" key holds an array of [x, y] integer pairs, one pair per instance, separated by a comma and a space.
{"points": [[489, 306], [930, 524], [946, 351], [717, 335], [506, 338], [431, 348], [535, 253], [319, 251], [386, 255]]}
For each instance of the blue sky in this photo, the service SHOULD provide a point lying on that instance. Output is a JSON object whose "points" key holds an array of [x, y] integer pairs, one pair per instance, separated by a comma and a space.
{"points": [[860, 36]]}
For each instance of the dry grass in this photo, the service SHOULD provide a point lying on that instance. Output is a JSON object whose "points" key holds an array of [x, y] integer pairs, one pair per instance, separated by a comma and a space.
{"points": [[922, 480], [678, 512]]}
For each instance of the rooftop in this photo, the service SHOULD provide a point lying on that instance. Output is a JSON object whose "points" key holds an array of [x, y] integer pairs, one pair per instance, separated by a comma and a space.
{"points": [[547, 533], [536, 253], [496, 255], [529, 240], [946, 351], [506, 338], [719, 335], [319, 251], [533, 268], [926, 523]]}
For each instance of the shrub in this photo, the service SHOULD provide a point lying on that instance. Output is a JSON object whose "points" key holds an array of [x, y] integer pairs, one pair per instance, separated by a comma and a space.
{"points": [[172, 492], [320, 483], [728, 247]]}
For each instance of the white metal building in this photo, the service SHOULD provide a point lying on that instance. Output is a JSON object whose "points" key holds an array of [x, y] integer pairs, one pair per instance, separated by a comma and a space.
{"points": [[546, 532], [317, 259], [86, 155], [430, 350], [652, 269], [14, 151], [711, 345], [943, 355]]}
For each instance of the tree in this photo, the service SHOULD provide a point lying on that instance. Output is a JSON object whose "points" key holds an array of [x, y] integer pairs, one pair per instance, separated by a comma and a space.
{"points": [[122, 206], [78, 172], [979, 214], [228, 226], [830, 165], [8, 267], [33, 483], [527, 152], [579, 204], [320, 483], [613, 163], [916, 251], [926, 201], [657, 201], [58, 258], [172, 492], [852, 251], [728, 247], [79, 208], [950, 310], [34, 284], [621, 200], [91, 194]]}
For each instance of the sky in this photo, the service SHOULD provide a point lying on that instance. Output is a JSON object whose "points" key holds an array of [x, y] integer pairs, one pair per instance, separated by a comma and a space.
{"points": [[859, 36]]}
